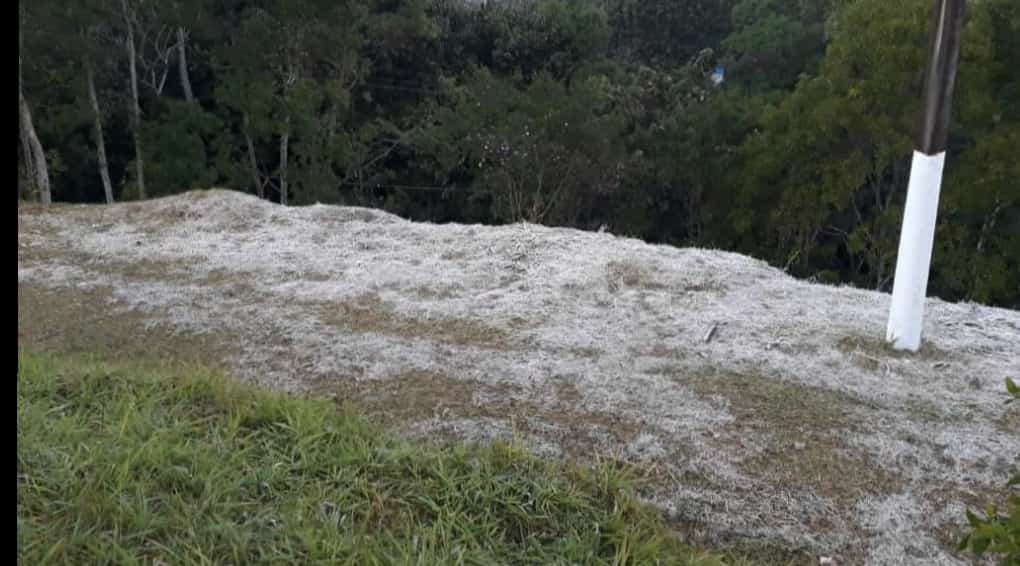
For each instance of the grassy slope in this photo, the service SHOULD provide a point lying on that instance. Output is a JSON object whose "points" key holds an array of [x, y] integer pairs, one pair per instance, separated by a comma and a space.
{"points": [[128, 465]]}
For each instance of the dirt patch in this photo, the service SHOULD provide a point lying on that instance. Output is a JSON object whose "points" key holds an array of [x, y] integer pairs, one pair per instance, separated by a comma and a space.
{"points": [[659, 350], [37, 209], [418, 396], [436, 292], [797, 349], [631, 275], [801, 429], [453, 255], [368, 312], [708, 286], [518, 323], [1010, 421], [36, 248], [31, 256], [226, 278], [870, 352], [336, 217], [152, 269], [157, 220], [625, 274], [566, 391], [585, 352], [821, 464], [316, 276], [88, 321]]}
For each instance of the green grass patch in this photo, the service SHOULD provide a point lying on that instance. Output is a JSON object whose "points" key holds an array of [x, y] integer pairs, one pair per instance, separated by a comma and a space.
{"points": [[133, 465]]}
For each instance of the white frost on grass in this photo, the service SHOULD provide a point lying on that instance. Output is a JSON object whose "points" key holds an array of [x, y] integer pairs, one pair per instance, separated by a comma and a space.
{"points": [[892, 523], [624, 323]]}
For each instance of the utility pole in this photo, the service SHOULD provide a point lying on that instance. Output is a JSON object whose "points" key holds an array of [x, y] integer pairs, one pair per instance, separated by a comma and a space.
{"points": [[913, 261]]}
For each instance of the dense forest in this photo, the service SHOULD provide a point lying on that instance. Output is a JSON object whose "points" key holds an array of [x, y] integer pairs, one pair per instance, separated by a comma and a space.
{"points": [[777, 128]]}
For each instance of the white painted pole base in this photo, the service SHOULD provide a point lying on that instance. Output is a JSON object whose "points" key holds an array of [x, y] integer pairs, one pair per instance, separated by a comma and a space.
{"points": [[913, 261]]}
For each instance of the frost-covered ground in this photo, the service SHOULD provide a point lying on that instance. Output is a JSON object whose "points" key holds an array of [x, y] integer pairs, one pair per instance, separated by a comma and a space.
{"points": [[762, 409]]}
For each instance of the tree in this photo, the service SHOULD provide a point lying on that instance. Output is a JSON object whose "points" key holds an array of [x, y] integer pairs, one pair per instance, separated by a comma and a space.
{"points": [[35, 151], [566, 112], [978, 237], [34, 155], [683, 137], [129, 15], [104, 167], [180, 142], [666, 33], [182, 64], [307, 49], [92, 21], [68, 71], [830, 162], [557, 37], [545, 154], [774, 41]]}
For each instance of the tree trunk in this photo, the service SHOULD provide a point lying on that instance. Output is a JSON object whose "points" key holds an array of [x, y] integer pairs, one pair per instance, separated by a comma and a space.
{"points": [[253, 162], [284, 141], [182, 65], [42, 173], [104, 169], [136, 110], [26, 147], [26, 152]]}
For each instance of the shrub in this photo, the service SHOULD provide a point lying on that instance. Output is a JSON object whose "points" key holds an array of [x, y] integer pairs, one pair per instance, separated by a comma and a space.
{"points": [[998, 532]]}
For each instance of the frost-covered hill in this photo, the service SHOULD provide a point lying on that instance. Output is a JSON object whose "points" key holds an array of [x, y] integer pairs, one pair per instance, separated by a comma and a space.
{"points": [[761, 408]]}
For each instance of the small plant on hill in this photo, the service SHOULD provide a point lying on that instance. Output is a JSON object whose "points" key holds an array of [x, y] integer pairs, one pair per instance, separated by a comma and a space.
{"points": [[998, 532]]}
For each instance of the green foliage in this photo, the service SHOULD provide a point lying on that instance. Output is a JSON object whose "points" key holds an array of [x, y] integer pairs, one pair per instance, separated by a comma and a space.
{"points": [[831, 161], [997, 532], [832, 156], [556, 37], [978, 238], [544, 153], [800, 157], [774, 41], [135, 465], [179, 147], [666, 33]]}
